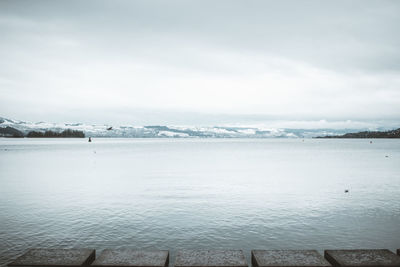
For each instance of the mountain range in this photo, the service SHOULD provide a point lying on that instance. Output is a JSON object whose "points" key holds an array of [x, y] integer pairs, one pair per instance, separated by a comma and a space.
{"points": [[162, 131]]}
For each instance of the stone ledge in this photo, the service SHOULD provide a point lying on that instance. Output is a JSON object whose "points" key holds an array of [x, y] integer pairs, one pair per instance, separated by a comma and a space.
{"points": [[282, 258], [131, 257], [210, 258], [55, 257], [362, 257]]}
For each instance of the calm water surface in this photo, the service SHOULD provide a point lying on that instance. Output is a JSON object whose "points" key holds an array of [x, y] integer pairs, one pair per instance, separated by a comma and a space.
{"points": [[198, 193]]}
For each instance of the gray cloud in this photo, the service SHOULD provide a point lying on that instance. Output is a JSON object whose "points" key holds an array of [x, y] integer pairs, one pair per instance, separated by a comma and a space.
{"points": [[286, 59]]}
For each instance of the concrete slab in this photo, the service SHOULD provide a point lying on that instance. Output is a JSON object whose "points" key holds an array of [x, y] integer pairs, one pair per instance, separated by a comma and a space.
{"points": [[210, 258], [55, 257], [280, 258], [362, 257], [131, 257]]}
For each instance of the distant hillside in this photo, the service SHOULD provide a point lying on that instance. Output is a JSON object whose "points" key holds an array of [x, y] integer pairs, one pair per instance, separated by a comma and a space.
{"points": [[171, 131], [50, 134], [367, 134], [10, 132]]}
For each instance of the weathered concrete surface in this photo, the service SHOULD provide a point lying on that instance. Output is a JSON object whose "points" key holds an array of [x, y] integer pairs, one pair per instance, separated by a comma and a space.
{"points": [[130, 257], [362, 257], [210, 258], [278, 258], [55, 257]]}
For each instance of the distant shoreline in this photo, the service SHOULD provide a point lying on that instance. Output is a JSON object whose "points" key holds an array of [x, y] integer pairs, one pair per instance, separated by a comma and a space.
{"points": [[11, 132], [12, 128], [367, 134]]}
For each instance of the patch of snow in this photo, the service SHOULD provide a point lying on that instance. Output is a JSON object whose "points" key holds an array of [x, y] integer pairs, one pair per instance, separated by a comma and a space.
{"points": [[172, 134]]}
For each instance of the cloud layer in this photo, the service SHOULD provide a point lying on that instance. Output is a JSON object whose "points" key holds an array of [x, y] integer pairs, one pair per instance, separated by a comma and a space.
{"points": [[128, 60]]}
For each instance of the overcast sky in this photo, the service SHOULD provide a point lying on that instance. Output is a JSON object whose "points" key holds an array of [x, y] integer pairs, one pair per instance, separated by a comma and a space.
{"points": [[200, 62]]}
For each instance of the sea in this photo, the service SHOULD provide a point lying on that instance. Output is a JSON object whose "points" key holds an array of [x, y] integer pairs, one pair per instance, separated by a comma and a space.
{"points": [[176, 193]]}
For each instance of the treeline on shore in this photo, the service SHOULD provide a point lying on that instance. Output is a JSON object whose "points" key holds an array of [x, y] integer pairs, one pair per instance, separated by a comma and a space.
{"points": [[367, 134], [50, 134], [68, 133]]}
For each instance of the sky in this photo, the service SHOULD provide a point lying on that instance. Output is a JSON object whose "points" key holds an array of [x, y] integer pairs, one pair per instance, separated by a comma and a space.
{"points": [[321, 63]]}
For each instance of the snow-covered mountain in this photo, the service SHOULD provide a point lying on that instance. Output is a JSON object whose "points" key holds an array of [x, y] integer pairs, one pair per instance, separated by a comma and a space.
{"points": [[169, 131]]}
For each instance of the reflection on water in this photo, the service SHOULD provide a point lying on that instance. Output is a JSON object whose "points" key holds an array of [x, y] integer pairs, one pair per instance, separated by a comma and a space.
{"points": [[198, 193]]}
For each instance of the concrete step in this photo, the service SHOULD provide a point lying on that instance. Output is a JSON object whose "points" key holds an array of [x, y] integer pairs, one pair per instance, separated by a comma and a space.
{"points": [[283, 258], [131, 257], [362, 257], [55, 257], [210, 258]]}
